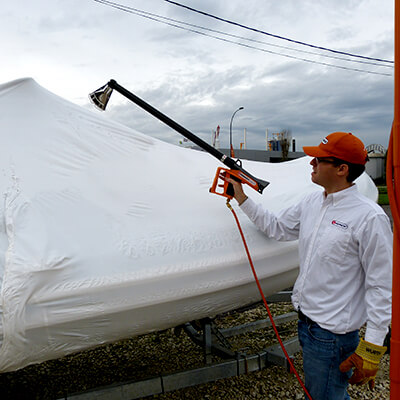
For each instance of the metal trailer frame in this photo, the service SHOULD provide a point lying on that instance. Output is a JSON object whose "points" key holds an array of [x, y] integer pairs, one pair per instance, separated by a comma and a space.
{"points": [[213, 342]]}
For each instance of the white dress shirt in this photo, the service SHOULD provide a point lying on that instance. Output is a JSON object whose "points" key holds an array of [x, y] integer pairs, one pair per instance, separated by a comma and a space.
{"points": [[345, 255]]}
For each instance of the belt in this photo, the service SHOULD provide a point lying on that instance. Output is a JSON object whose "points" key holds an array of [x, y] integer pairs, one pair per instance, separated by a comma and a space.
{"points": [[305, 319]]}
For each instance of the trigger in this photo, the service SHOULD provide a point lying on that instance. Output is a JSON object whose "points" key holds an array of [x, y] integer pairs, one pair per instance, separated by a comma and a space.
{"points": [[229, 190]]}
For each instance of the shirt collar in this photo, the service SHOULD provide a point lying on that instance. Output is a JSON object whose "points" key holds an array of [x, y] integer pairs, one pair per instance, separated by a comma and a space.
{"points": [[336, 197]]}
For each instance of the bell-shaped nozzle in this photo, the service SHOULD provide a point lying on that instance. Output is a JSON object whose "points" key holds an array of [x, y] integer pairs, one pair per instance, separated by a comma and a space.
{"points": [[101, 96]]}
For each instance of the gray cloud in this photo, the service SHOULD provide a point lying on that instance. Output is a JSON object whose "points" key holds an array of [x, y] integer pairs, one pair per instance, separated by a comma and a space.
{"points": [[311, 105], [74, 47]]}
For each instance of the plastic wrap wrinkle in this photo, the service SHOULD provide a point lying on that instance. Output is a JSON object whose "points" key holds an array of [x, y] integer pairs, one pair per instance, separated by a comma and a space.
{"points": [[106, 233]]}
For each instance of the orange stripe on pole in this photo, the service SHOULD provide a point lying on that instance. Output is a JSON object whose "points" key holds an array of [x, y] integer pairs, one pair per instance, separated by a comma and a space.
{"points": [[394, 156]]}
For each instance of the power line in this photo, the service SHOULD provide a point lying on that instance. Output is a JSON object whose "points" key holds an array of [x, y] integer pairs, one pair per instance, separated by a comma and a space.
{"points": [[157, 18], [140, 12], [273, 35]]}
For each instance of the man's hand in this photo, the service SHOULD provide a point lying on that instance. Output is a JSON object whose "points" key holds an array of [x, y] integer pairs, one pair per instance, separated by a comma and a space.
{"points": [[238, 190], [365, 362]]}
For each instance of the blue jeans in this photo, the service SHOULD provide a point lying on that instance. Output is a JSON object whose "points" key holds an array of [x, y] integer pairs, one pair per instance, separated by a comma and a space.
{"points": [[323, 351]]}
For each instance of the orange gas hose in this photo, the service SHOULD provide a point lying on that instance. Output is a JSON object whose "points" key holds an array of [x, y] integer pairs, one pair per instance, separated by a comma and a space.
{"points": [[393, 186], [390, 185], [292, 368]]}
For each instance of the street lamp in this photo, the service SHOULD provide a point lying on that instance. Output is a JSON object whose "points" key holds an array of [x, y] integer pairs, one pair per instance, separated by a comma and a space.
{"points": [[230, 132]]}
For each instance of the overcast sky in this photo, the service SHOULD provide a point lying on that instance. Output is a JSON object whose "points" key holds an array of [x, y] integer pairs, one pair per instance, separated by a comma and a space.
{"points": [[72, 47]]}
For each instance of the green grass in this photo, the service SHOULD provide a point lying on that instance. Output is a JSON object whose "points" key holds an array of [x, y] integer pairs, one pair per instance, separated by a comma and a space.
{"points": [[383, 198]]}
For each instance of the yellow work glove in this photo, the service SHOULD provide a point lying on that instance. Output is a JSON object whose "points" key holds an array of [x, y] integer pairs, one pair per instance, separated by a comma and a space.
{"points": [[365, 362]]}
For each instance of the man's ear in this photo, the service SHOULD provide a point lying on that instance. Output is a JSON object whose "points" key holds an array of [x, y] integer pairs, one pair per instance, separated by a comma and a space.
{"points": [[343, 170]]}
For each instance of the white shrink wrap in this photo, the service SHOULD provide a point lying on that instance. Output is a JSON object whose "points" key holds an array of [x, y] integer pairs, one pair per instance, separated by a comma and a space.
{"points": [[106, 233]]}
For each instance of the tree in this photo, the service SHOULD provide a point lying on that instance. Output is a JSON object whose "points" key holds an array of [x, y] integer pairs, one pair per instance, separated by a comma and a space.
{"points": [[285, 138]]}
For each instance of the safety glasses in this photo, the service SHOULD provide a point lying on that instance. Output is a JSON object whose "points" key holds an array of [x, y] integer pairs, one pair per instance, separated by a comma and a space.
{"points": [[324, 160]]}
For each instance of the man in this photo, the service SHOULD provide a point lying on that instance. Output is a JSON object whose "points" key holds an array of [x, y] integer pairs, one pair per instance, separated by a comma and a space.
{"points": [[345, 254]]}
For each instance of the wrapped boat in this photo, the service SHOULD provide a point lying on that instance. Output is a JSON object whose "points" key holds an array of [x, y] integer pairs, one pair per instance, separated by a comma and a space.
{"points": [[106, 233]]}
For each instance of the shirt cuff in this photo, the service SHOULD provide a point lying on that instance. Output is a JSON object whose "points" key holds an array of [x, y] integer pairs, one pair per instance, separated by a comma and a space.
{"points": [[375, 336], [246, 206]]}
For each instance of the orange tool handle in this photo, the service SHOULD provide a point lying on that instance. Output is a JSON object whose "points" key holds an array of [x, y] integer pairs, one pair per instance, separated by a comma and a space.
{"points": [[223, 188]]}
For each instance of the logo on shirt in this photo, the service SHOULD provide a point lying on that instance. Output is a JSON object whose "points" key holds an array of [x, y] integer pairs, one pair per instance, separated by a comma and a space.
{"points": [[339, 224]]}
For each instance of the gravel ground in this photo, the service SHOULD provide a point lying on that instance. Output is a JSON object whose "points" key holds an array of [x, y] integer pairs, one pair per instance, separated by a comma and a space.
{"points": [[165, 352]]}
